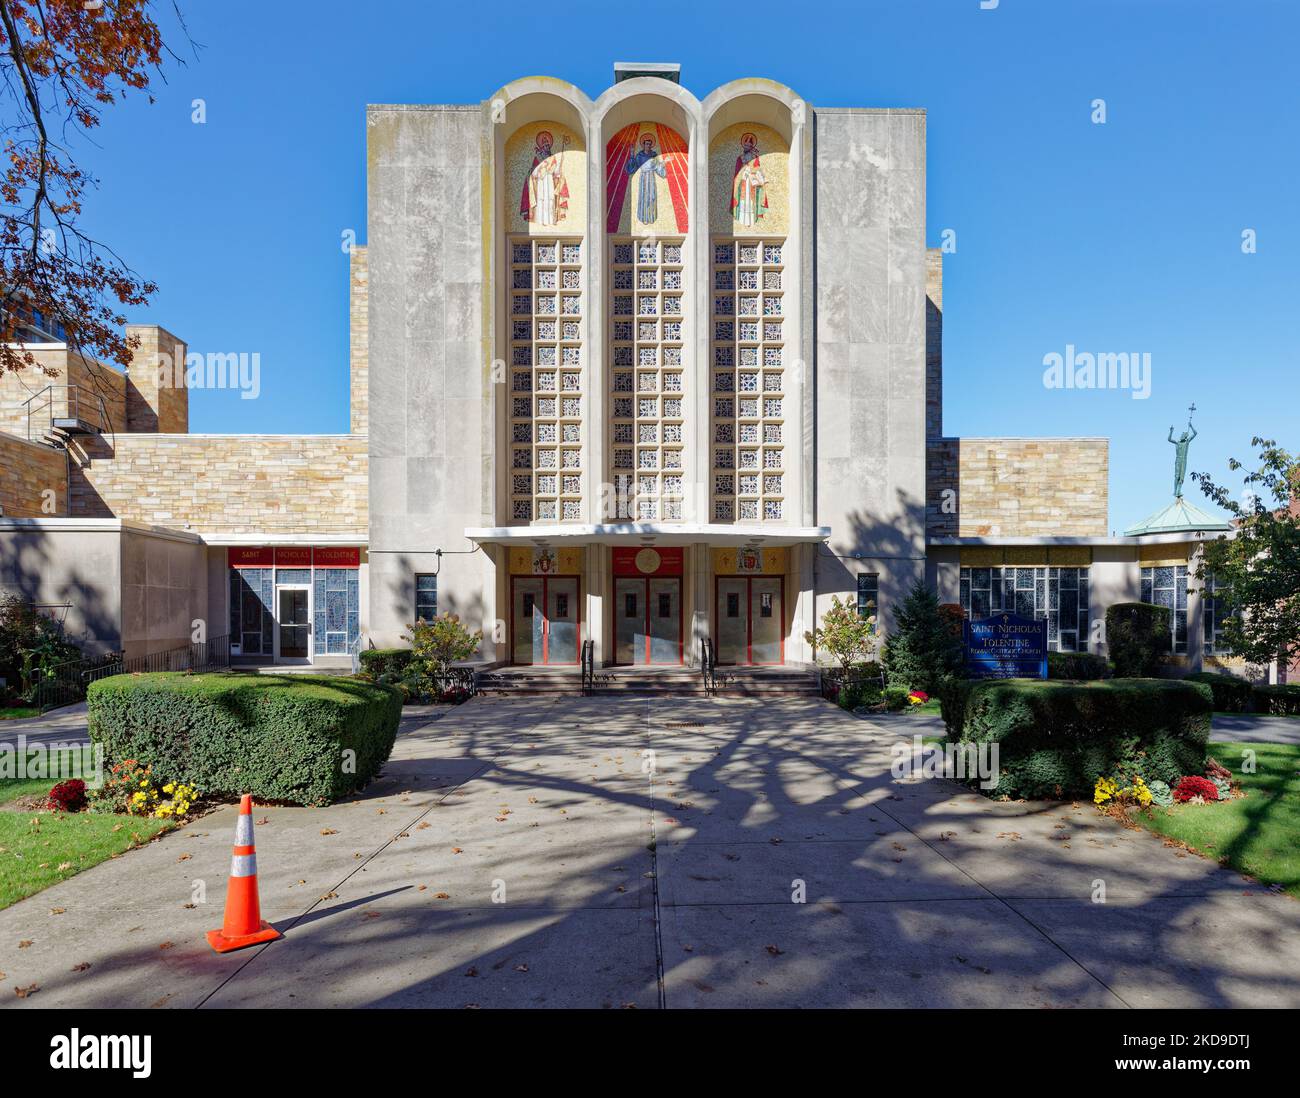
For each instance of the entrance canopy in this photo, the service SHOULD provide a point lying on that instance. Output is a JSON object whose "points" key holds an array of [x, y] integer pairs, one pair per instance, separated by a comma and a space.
{"points": [[647, 533]]}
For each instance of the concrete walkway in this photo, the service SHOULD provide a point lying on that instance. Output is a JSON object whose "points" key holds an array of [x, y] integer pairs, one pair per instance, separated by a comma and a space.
{"points": [[68, 725], [635, 852]]}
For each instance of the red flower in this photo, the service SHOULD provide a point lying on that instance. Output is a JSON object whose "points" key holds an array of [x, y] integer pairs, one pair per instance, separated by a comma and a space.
{"points": [[1193, 786], [69, 796]]}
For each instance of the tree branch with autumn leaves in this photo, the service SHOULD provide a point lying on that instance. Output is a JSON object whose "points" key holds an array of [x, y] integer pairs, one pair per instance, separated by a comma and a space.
{"points": [[62, 62]]}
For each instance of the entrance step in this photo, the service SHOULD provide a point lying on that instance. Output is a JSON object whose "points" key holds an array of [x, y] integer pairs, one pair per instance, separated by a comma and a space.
{"points": [[649, 681]]}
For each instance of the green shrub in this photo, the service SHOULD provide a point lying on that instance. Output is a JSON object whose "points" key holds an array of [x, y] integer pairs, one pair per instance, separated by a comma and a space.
{"points": [[895, 697], [1137, 634], [31, 646], [857, 694], [303, 739], [925, 647], [1056, 738], [1231, 694], [1278, 700], [1076, 665], [376, 662]]}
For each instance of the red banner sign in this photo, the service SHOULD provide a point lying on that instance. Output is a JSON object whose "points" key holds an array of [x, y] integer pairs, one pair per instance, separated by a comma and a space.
{"points": [[337, 557], [631, 561], [242, 556], [292, 556]]}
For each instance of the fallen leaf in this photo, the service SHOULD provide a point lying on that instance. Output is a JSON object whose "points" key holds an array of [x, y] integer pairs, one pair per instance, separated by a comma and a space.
{"points": [[24, 943], [442, 895], [185, 857], [165, 945], [30, 989], [57, 910], [328, 831], [81, 967], [774, 950], [422, 825]]}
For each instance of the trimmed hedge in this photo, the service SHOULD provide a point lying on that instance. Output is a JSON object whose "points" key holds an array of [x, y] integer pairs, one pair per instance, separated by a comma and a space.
{"points": [[1231, 694], [1137, 635], [1056, 738], [1076, 665], [1278, 700], [381, 661], [278, 737]]}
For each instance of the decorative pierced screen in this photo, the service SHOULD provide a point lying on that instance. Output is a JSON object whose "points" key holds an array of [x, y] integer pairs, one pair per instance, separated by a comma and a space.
{"points": [[545, 380], [647, 379], [748, 381]]}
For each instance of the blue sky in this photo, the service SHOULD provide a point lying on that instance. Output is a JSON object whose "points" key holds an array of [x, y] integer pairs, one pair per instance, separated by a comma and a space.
{"points": [[1117, 237]]}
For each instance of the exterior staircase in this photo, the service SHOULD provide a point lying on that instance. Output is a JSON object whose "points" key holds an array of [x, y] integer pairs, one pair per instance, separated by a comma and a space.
{"points": [[737, 682]]}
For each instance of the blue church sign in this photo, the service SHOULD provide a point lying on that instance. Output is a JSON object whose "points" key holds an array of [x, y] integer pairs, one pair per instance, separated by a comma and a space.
{"points": [[1006, 646]]}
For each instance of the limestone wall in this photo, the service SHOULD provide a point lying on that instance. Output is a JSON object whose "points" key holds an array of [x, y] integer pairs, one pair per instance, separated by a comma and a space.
{"points": [[227, 484], [27, 469], [359, 338], [1017, 487], [69, 369]]}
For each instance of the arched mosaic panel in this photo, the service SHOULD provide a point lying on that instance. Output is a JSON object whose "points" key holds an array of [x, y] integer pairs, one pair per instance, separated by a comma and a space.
{"points": [[749, 182], [646, 172], [546, 177]]}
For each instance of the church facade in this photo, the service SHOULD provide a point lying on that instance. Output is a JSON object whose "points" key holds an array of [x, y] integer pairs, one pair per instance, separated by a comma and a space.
{"points": [[650, 369], [644, 370]]}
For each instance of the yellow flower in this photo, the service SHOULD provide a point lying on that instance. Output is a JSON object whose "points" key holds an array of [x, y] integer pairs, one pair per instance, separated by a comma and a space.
{"points": [[169, 787]]}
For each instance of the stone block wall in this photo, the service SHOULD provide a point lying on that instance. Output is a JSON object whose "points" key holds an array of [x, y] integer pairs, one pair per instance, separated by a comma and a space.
{"points": [[359, 338], [1017, 487], [156, 397], [27, 469], [68, 369], [228, 484]]}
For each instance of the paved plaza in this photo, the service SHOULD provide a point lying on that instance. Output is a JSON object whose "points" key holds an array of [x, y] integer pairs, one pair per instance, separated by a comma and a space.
{"points": [[647, 852]]}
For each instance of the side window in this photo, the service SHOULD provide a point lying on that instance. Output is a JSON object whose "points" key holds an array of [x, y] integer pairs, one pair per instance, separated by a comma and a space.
{"points": [[868, 594], [426, 597]]}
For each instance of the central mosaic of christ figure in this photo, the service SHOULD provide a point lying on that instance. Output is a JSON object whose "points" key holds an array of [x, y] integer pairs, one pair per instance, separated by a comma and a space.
{"points": [[646, 165]]}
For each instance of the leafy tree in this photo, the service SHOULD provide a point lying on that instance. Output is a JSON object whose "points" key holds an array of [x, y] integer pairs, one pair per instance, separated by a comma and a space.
{"points": [[923, 650], [435, 646], [1260, 565], [843, 635], [61, 63], [30, 646]]}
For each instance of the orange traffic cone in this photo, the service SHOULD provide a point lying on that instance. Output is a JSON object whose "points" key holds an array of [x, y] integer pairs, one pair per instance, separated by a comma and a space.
{"points": [[243, 925]]}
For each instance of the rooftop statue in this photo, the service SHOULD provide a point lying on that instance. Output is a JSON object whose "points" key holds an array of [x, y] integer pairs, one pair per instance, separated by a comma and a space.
{"points": [[1180, 453]]}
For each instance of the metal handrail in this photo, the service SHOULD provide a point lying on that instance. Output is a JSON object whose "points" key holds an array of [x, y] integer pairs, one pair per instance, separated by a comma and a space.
{"points": [[588, 667], [708, 665], [198, 656], [73, 406]]}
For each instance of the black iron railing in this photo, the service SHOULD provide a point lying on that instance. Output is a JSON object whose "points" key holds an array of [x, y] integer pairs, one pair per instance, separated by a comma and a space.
{"points": [[588, 667], [708, 665], [64, 683], [458, 680], [198, 656], [831, 680]]}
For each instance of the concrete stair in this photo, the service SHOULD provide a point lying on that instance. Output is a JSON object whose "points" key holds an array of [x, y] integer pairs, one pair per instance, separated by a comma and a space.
{"points": [[649, 681]]}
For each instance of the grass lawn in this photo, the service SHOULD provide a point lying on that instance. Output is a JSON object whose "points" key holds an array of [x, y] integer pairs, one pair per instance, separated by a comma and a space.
{"points": [[34, 856], [1259, 833], [38, 849], [14, 712]]}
